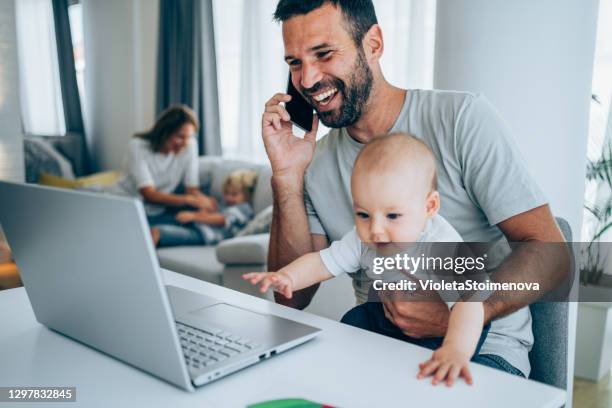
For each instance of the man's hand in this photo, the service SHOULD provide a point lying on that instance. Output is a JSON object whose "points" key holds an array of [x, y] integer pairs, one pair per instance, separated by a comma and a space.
{"points": [[418, 319], [288, 154]]}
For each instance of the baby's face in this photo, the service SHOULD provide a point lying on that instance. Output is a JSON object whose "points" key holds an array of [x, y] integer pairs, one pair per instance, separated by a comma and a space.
{"points": [[233, 196], [391, 207]]}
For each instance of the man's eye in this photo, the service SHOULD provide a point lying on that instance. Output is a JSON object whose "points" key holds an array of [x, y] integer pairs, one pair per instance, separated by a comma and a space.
{"points": [[323, 54], [362, 215], [393, 216], [294, 63]]}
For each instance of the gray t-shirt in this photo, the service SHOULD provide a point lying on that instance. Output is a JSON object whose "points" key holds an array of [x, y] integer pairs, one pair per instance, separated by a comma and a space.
{"points": [[481, 179]]}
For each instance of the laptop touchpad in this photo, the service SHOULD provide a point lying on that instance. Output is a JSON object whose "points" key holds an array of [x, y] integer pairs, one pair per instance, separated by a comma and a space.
{"points": [[239, 321]]}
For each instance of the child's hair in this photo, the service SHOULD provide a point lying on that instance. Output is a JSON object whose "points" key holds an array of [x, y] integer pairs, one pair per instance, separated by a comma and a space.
{"points": [[384, 153], [242, 179]]}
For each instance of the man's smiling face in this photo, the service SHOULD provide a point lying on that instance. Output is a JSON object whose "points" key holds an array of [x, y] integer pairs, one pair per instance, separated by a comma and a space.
{"points": [[328, 69]]}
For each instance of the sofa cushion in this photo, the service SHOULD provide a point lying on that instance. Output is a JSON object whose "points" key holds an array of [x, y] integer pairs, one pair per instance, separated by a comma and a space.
{"points": [[196, 261]]}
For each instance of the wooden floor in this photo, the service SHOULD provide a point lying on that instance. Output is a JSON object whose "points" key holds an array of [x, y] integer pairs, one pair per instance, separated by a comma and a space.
{"points": [[589, 394]]}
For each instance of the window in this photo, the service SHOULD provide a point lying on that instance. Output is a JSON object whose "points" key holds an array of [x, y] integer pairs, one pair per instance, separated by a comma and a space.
{"points": [[251, 67], [600, 122], [75, 14]]}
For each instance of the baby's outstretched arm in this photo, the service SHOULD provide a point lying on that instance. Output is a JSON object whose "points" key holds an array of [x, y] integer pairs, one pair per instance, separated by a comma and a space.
{"points": [[299, 274], [452, 359]]}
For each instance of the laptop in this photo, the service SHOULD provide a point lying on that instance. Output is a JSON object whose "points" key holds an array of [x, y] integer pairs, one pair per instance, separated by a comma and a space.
{"points": [[91, 273]]}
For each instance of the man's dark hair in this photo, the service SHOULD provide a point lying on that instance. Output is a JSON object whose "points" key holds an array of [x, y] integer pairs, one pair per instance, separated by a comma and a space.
{"points": [[359, 15]]}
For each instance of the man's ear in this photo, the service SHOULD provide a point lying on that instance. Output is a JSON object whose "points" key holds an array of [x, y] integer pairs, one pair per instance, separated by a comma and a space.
{"points": [[432, 203], [373, 43]]}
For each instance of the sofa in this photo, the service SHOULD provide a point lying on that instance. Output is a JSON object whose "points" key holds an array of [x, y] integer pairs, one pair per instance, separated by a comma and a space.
{"points": [[225, 263]]}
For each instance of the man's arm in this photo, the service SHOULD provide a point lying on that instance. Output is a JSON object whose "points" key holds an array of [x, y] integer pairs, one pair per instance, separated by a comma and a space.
{"points": [[534, 261], [290, 235]]}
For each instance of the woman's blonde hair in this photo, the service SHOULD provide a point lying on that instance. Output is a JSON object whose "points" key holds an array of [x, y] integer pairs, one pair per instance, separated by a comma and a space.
{"points": [[241, 179]]}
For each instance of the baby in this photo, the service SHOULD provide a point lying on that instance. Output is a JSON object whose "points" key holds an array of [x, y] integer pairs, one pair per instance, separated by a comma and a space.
{"points": [[395, 200], [202, 227]]}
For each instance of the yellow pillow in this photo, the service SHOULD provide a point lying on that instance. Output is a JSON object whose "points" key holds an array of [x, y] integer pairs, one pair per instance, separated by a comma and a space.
{"points": [[106, 178]]}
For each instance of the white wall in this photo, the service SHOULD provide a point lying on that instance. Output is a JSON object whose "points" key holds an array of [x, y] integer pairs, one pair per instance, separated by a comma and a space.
{"points": [[534, 61], [120, 59], [11, 134]]}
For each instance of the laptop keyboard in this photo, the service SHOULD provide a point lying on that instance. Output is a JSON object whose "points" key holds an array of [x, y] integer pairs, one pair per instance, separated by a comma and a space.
{"points": [[206, 346]]}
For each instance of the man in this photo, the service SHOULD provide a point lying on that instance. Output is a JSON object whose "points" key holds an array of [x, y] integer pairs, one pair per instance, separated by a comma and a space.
{"points": [[333, 49]]}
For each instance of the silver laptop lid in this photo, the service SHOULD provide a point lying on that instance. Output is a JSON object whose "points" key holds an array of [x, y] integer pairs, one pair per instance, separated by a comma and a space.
{"points": [[90, 271]]}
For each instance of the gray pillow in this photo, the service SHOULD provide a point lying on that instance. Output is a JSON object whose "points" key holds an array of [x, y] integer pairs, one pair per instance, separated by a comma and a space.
{"points": [[258, 225], [40, 157]]}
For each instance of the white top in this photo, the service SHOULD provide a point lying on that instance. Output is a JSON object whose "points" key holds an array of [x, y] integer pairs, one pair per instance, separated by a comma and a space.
{"points": [[33, 355], [165, 172], [350, 254]]}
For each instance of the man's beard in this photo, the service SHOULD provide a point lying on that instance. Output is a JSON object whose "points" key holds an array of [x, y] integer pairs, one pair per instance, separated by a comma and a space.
{"points": [[355, 95]]}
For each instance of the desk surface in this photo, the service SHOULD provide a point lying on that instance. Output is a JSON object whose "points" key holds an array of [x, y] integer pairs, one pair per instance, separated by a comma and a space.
{"points": [[344, 366]]}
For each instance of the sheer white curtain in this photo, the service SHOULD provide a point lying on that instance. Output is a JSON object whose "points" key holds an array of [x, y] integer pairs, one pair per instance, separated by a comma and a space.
{"points": [[41, 96], [251, 67]]}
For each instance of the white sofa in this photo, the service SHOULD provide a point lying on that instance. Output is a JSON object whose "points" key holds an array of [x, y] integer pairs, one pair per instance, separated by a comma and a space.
{"points": [[225, 263]]}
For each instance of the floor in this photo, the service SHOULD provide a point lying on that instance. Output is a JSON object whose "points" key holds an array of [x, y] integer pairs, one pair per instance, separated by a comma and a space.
{"points": [[588, 394]]}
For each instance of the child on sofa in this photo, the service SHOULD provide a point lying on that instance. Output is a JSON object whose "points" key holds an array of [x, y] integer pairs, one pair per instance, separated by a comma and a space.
{"points": [[203, 227], [395, 201]]}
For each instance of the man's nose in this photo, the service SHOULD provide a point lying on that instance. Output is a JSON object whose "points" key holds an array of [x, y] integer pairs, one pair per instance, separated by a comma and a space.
{"points": [[310, 75]]}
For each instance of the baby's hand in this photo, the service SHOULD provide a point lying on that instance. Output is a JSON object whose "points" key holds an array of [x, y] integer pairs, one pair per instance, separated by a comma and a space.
{"points": [[185, 216], [446, 363], [280, 282]]}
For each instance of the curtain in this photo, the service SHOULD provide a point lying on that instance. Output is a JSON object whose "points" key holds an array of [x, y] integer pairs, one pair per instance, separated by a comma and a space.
{"points": [[74, 145], [186, 66], [251, 53], [39, 79]]}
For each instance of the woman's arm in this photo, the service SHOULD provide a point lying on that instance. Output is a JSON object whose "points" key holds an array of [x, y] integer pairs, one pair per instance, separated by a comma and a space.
{"points": [[214, 219], [151, 195]]}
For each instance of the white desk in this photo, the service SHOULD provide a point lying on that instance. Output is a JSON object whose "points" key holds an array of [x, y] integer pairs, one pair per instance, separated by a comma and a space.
{"points": [[344, 366]]}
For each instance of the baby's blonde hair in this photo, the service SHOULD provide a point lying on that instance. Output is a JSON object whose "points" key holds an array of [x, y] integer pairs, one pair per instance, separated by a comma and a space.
{"points": [[243, 180]]}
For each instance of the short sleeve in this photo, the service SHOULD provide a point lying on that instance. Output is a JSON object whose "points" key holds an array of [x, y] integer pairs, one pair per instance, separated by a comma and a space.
{"points": [[192, 176], [313, 219], [237, 216], [138, 167], [494, 173], [343, 256]]}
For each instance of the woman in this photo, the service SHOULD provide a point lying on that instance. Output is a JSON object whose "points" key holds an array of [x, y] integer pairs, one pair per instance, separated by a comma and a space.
{"points": [[162, 160]]}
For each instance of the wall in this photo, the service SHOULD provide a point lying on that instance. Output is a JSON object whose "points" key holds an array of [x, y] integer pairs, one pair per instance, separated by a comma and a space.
{"points": [[120, 58], [534, 61], [11, 134]]}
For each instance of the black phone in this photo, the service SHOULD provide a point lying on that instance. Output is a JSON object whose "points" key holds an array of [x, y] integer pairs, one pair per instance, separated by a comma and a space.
{"points": [[299, 109]]}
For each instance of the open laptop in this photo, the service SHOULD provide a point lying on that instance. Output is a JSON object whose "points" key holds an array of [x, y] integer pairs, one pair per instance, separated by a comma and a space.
{"points": [[90, 270]]}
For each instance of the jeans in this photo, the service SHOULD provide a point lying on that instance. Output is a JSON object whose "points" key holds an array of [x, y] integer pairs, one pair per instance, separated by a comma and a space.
{"points": [[371, 316], [171, 232], [176, 235]]}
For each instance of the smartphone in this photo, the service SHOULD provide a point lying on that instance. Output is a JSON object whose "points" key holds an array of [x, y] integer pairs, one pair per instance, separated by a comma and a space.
{"points": [[299, 109]]}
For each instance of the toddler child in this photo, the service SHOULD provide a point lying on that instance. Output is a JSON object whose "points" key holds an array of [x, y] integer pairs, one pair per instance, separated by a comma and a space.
{"points": [[393, 186], [203, 227]]}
